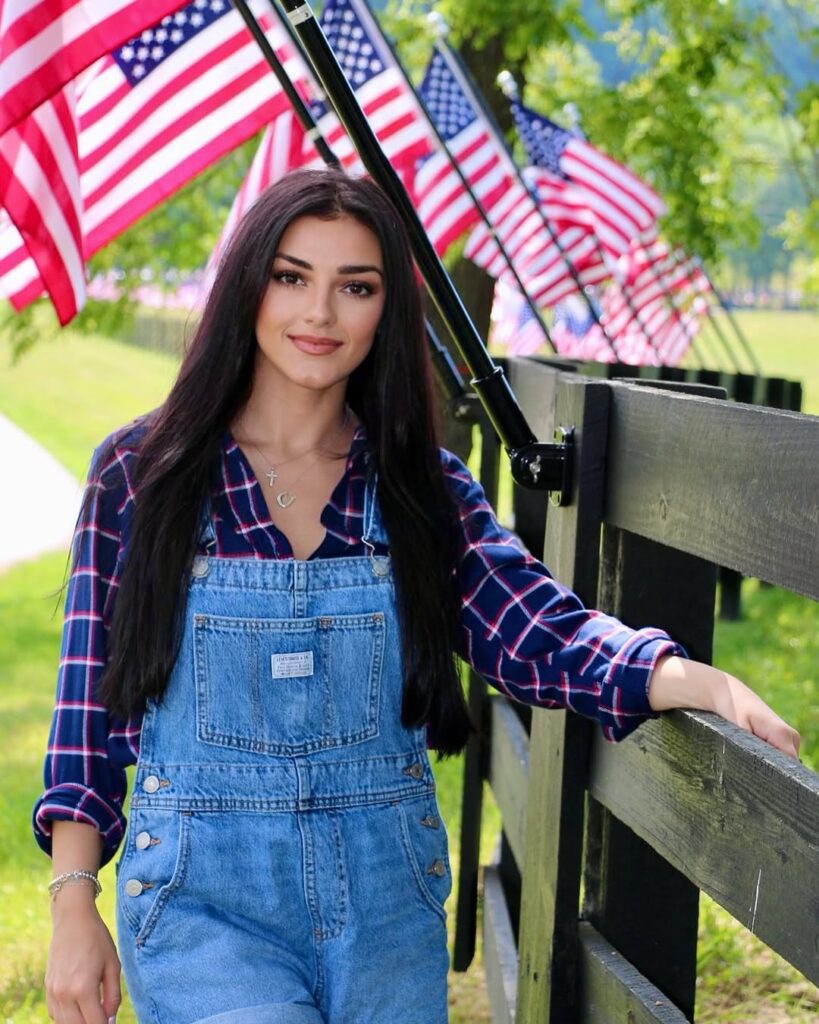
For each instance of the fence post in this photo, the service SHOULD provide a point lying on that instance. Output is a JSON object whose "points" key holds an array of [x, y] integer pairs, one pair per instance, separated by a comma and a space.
{"points": [[642, 905], [560, 741]]}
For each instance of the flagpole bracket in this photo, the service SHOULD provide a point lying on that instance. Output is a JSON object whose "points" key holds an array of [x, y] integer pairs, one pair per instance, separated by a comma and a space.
{"points": [[547, 466]]}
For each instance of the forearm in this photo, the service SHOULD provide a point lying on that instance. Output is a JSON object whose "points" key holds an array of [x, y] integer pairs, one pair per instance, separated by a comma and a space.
{"points": [[680, 683], [75, 847]]}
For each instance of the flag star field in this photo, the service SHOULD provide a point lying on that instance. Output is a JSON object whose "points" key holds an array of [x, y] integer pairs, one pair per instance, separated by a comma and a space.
{"points": [[444, 99], [351, 45], [544, 140], [140, 56]]}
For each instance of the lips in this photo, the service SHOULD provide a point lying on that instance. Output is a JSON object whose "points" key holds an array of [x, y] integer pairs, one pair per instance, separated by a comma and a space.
{"points": [[314, 345]]}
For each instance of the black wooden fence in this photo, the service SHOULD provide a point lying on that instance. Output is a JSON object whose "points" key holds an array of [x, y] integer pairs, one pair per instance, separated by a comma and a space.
{"points": [[667, 487]]}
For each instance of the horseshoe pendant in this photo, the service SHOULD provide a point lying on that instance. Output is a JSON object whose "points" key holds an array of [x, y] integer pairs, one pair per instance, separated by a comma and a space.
{"points": [[284, 499]]}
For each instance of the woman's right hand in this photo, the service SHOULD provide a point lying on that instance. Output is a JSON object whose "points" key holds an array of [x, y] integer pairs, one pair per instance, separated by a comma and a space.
{"points": [[82, 977]]}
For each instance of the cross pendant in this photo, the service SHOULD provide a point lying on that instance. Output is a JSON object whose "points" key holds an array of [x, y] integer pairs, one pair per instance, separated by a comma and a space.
{"points": [[271, 476]]}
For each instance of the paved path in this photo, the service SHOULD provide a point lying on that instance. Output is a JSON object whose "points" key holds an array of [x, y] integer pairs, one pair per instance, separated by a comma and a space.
{"points": [[40, 498]]}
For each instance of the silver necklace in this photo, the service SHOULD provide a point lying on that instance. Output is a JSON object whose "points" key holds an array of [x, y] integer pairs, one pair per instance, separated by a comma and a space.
{"points": [[286, 497]]}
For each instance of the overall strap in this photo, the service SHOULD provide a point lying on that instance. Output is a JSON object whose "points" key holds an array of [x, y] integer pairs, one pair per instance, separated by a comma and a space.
{"points": [[206, 532], [373, 529]]}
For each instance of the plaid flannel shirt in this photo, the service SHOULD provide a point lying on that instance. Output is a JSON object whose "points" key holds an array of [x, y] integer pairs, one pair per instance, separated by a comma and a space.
{"points": [[527, 635]]}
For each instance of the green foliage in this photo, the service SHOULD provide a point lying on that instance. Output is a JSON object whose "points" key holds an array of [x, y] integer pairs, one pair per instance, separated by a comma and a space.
{"points": [[680, 119], [800, 227], [523, 25]]}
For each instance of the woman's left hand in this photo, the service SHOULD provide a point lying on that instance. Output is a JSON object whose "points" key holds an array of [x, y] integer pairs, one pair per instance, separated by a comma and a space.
{"points": [[679, 683]]}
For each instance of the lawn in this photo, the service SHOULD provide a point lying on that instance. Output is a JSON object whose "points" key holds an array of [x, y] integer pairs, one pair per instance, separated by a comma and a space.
{"points": [[68, 393], [787, 345]]}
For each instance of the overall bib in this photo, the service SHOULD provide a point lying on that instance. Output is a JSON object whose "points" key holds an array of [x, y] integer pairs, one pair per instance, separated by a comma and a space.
{"points": [[285, 861]]}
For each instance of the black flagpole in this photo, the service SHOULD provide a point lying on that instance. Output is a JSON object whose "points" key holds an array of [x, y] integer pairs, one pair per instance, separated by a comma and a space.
{"points": [[534, 464], [443, 362]]}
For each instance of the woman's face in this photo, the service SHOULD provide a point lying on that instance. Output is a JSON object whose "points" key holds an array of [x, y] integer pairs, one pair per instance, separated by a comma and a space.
{"points": [[325, 298]]}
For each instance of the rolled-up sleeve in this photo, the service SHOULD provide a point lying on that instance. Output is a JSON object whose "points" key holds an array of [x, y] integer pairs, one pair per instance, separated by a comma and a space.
{"points": [[533, 639], [82, 783]]}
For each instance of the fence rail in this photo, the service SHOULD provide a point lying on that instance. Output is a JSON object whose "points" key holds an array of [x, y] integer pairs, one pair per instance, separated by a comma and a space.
{"points": [[668, 486]]}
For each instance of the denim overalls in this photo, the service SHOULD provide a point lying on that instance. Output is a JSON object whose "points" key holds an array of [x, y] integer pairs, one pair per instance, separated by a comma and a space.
{"points": [[285, 860]]}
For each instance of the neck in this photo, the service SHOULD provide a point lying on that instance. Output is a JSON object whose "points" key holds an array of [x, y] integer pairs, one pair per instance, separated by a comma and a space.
{"points": [[293, 421]]}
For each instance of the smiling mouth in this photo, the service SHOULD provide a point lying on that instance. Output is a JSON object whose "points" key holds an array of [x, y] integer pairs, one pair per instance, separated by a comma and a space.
{"points": [[313, 345]]}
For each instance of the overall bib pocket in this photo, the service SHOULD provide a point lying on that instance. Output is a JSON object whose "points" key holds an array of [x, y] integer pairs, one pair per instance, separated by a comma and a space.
{"points": [[152, 867], [287, 686]]}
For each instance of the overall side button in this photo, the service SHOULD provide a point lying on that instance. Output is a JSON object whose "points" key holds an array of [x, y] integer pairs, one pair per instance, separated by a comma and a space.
{"points": [[143, 840], [152, 783]]}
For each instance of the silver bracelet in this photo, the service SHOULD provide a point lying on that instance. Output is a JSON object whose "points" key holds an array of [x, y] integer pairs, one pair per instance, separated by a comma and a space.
{"points": [[74, 877]]}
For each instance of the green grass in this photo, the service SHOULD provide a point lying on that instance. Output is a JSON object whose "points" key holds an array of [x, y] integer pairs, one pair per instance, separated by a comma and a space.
{"points": [[69, 392], [786, 345]]}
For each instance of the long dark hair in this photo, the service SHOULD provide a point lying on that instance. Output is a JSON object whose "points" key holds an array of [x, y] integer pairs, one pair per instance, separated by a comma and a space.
{"points": [[391, 393]]}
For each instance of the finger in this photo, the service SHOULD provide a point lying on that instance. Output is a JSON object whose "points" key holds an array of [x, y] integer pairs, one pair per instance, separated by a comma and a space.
{"points": [[91, 1009], [68, 1012], [779, 734], [111, 990]]}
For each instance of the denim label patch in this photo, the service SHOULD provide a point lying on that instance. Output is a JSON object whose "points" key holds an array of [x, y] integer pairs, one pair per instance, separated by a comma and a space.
{"points": [[291, 666]]}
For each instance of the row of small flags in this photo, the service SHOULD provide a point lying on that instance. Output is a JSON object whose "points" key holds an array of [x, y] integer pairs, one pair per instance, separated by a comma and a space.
{"points": [[110, 106]]}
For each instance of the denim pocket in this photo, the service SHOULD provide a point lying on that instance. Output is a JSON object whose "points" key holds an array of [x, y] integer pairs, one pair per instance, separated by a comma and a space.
{"points": [[152, 867], [425, 845], [288, 686]]}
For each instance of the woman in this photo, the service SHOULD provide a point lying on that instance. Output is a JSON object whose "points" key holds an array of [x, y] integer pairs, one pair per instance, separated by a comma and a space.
{"points": [[270, 574]]}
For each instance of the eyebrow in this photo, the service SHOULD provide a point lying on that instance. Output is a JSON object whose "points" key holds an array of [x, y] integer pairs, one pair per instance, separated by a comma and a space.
{"points": [[347, 268]]}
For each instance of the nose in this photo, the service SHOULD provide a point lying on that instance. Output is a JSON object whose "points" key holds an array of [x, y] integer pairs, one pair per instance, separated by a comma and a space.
{"points": [[320, 309]]}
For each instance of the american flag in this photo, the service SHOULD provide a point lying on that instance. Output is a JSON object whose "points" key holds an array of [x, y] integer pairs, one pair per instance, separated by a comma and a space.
{"points": [[390, 106], [445, 207], [517, 220], [654, 279], [563, 203], [576, 334], [661, 303], [40, 190], [44, 45], [148, 117], [513, 326], [543, 269], [622, 205]]}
